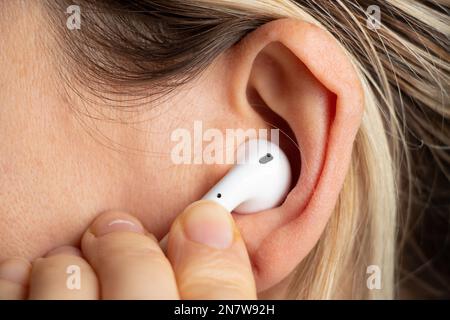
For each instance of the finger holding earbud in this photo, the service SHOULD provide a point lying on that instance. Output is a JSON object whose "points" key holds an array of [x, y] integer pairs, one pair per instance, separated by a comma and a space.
{"points": [[208, 255]]}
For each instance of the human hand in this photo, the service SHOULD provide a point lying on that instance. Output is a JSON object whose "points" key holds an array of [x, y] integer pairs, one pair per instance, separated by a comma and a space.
{"points": [[206, 259]]}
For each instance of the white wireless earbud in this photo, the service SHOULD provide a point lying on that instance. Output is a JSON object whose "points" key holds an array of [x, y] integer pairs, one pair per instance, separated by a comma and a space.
{"points": [[259, 181]]}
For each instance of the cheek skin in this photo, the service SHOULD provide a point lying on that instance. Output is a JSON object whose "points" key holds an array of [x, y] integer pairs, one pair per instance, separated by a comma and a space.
{"points": [[56, 177], [58, 174], [51, 195], [50, 192]]}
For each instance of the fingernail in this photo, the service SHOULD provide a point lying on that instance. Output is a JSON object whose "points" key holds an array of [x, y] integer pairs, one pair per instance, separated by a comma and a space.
{"points": [[65, 250], [209, 224], [116, 222], [15, 270]]}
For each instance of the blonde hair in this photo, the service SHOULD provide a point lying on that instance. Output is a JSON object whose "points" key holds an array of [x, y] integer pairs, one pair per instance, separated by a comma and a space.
{"points": [[404, 69]]}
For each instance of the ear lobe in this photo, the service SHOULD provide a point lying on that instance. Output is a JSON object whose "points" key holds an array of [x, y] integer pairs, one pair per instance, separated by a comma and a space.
{"points": [[300, 73]]}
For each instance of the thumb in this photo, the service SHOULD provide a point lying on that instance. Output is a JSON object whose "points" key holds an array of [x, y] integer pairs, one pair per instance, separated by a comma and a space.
{"points": [[208, 254]]}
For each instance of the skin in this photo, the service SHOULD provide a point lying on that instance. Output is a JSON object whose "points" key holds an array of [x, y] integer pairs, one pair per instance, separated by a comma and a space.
{"points": [[58, 174]]}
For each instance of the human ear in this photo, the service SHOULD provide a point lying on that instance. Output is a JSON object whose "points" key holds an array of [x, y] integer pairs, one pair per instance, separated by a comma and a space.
{"points": [[292, 72]]}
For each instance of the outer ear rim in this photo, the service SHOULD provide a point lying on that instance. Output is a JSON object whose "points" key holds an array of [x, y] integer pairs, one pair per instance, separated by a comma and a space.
{"points": [[343, 80]]}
